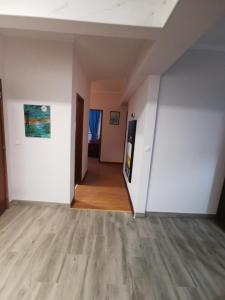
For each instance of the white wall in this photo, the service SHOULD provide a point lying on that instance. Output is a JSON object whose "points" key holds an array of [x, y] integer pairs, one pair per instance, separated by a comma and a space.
{"points": [[38, 72], [144, 104], [80, 85], [188, 160], [113, 136]]}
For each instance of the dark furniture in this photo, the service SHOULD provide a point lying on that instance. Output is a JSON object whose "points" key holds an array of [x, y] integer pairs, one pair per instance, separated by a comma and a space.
{"points": [[94, 148], [221, 209]]}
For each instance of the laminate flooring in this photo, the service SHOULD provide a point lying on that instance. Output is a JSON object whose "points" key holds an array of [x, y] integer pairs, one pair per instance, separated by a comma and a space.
{"points": [[103, 188], [55, 253]]}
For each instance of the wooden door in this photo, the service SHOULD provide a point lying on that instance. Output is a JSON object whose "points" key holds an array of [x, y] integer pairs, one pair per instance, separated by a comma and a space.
{"points": [[3, 172], [221, 209], [79, 139]]}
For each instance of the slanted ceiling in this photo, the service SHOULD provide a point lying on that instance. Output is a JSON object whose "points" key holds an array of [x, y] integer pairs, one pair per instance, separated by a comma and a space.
{"points": [[148, 13]]}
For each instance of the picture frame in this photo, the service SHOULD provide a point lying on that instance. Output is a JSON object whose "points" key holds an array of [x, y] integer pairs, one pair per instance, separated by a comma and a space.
{"points": [[37, 121], [131, 134], [114, 118]]}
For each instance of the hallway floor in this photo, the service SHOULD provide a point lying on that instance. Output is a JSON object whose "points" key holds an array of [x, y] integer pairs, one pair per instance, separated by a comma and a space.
{"points": [[48, 252], [103, 188]]}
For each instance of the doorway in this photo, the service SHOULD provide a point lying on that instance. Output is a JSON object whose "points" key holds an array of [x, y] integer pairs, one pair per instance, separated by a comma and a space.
{"points": [[3, 171], [79, 138], [103, 186], [95, 133]]}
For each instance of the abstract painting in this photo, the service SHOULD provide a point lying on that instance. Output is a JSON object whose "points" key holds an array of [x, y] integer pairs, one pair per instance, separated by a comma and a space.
{"points": [[130, 148], [114, 118], [37, 121]]}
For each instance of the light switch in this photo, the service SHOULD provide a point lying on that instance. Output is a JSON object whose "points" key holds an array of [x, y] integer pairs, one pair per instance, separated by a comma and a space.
{"points": [[17, 142]]}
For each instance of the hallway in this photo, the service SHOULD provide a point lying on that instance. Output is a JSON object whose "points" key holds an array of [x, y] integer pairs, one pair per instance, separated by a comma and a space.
{"points": [[103, 188]]}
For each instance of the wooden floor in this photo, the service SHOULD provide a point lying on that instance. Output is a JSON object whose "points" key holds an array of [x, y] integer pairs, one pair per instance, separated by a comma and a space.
{"points": [[103, 188], [56, 253]]}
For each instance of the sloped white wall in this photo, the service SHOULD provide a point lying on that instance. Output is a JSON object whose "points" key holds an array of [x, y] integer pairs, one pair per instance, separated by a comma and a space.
{"points": [[189, 153]]}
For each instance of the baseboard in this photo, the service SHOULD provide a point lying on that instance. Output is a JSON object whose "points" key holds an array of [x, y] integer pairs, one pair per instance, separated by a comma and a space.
{"points": [[40, 203], [110, 162], [180, 215]]}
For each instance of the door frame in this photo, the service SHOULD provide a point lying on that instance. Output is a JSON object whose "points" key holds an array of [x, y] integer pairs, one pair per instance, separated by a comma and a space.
{"points": [[101, 110], [221, 208], [79, 142], [2, 128]]}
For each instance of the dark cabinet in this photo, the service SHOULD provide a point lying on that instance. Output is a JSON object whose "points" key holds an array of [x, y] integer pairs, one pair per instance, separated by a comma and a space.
{"points": [[94, 148]]}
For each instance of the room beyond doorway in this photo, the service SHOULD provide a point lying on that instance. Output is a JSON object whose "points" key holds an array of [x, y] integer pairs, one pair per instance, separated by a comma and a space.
{"points": [[103, 188], [95, 133]]}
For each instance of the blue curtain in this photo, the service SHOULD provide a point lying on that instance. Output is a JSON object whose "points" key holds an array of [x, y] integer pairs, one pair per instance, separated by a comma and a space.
{"points": [[94, 118]]}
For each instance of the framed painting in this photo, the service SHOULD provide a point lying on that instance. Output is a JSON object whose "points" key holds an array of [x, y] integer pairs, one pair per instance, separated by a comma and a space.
{"points": [[114, 118], [130, 148], [37, 121]]}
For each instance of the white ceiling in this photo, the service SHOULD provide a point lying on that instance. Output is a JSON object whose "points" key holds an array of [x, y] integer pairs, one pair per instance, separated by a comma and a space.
{"points": [[104, 58], [101, 57], [148, 13], [114, 86], [111, 51]]}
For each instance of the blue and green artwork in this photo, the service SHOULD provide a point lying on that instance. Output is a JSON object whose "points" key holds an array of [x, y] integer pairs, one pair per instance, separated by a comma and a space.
{"points": [[37, 121]]}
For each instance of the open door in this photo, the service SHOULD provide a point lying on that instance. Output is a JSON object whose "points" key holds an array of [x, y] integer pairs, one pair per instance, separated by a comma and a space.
{"points": [[3, 172], [79, 138]]}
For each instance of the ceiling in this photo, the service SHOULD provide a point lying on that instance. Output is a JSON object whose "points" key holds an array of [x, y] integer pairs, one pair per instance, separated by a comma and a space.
{"points": [[110, 51], [147, 13], [101, 57], [104, 58], [114, 86], [190, 21]]}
